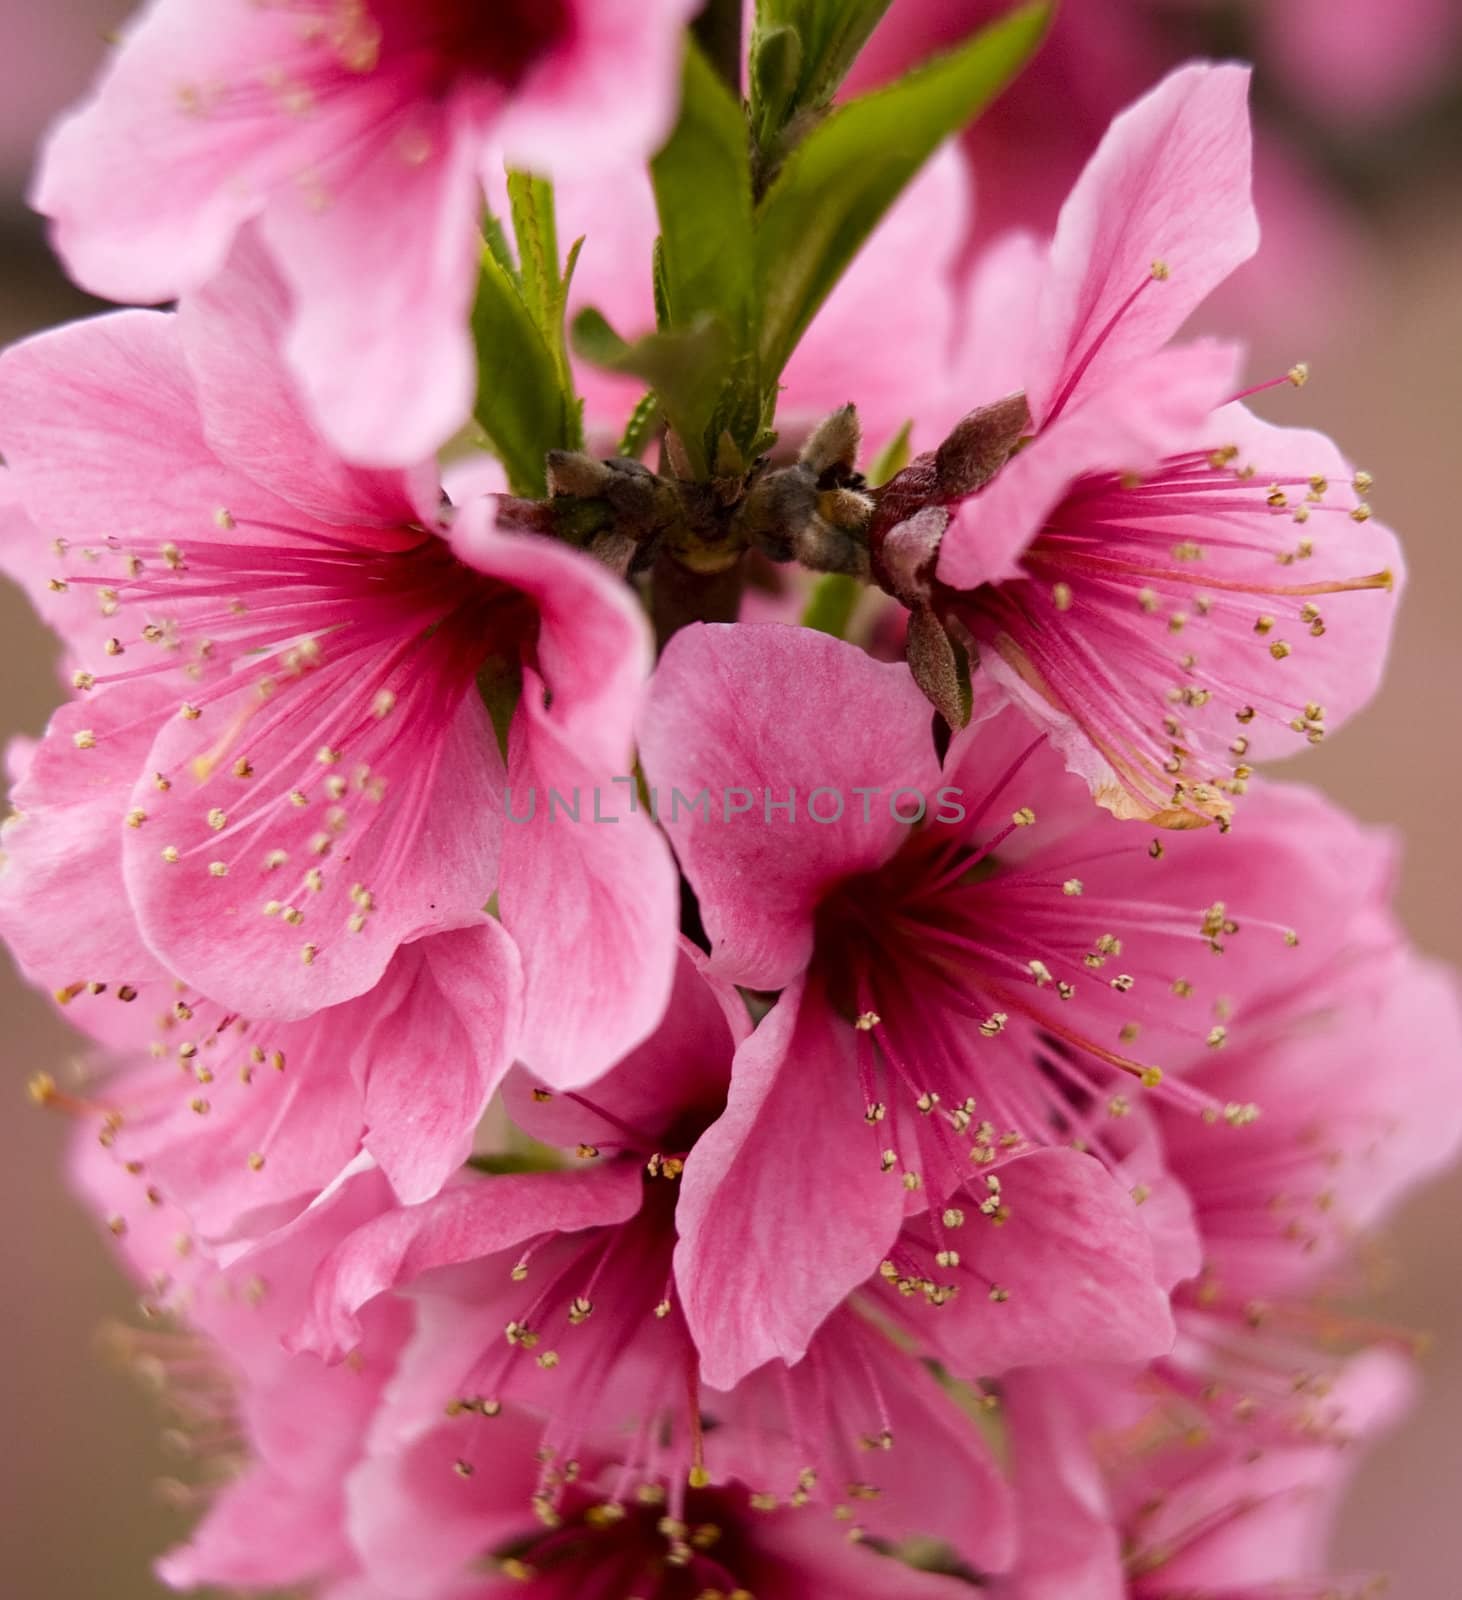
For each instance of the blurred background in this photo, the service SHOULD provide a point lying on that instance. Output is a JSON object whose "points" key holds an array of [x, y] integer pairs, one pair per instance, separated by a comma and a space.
{"points": [[1360, 179]]}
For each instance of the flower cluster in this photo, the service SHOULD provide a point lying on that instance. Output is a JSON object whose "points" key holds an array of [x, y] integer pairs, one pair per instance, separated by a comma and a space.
{"points": [[940, 1167]]}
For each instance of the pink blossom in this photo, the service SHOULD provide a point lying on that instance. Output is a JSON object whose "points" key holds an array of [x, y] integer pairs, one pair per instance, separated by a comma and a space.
{"points": [[282, 739], [1123, 1499], [1351, 1074], [1342, 63], [719, 1537], [954, 994], [1355, 1077], [360, 135], [1220, 1468], [576, 1268], [1133, 575], [277, 1434]]}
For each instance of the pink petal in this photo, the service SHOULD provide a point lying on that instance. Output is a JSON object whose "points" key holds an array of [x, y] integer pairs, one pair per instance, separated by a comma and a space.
{"points": [[593, 649], [1303, 866], [63, 908], [1338, 1142], [589, 894], [1169, 183], [146, 182], [1077, 1263], [681, 1070], [1152, 407], [306, 1536], [616, 220], [418, 1524], [607, 91], [407, 847], [381, 253], [28, 558], [1342, 668], [780, 1214], [233, 331], [1000, 301], [260, 1153], [1070, 1548], [474, 1219], [939, 1478], [1288, 1499], [902, 284], [439, 1034], [717, 722], [102, 430]]}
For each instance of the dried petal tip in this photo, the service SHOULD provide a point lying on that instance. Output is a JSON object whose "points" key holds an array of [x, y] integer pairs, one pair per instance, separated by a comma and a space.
{"points": [[937, 668], [980, 444], [834, 443]]}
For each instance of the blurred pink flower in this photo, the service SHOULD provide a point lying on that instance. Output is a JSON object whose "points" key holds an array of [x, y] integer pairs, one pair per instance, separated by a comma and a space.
{"points": [[1220, 1467], [278, 1434], [1112, 553], [1336, 62], [1122, 1499], [331, 788], [360, 134]]}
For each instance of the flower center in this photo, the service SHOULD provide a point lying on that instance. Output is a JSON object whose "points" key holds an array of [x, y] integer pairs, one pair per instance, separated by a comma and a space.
{"points": [[1160, 615], [999, 1001], [324, 670], [449, 41], [654, 1553]]}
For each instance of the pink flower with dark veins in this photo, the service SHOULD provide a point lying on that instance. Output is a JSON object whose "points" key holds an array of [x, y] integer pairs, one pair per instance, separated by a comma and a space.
{"points": [[1127, 551], [1002, 978], [360, 134], [553, 1294], [609, 1531], [282, 737]]}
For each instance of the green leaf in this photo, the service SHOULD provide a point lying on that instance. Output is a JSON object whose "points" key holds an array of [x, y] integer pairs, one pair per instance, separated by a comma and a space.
{"points": [[526, 401], [835, 187], [530, 202], [544, 288], [829, 35], [523, 405], [705, 259], [830, 608], [702, 184], [684, 366], [776, 75], [497, 241], [640, 428]]}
